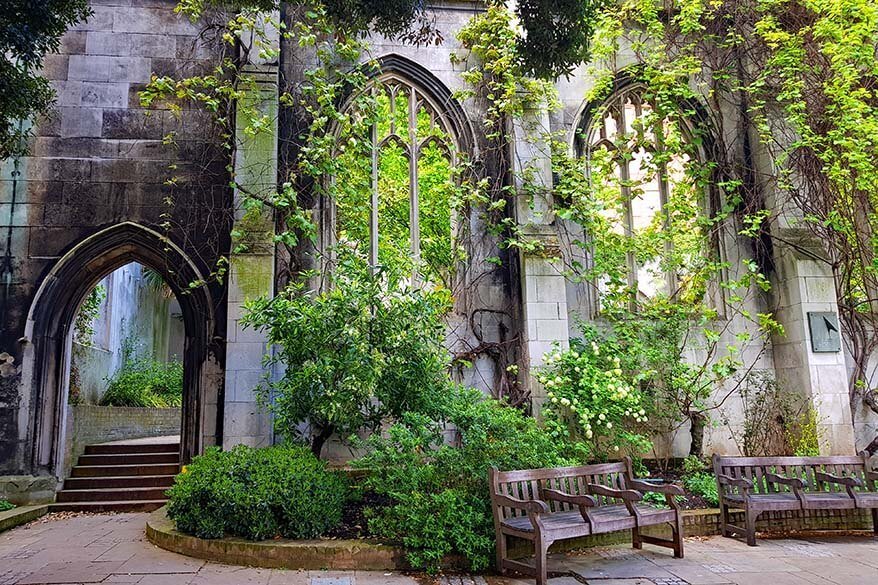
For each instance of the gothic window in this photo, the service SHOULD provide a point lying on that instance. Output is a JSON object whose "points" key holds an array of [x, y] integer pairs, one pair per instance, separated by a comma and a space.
{"points": [[647, 167], [393, 196]]}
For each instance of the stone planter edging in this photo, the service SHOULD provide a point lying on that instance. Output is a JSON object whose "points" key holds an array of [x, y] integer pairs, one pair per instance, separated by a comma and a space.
{"points": [[20, 515], [342, 555], [367, 555]]}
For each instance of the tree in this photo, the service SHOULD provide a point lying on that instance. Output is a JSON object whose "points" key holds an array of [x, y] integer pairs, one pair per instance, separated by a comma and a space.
{"points": [[28, 30], [364, 351]]}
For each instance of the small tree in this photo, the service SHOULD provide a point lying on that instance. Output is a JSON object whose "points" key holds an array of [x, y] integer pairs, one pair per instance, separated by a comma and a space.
{"points": [[363, 351]]}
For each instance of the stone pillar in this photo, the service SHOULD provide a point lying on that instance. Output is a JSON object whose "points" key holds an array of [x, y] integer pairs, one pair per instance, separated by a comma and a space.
{"points": [[805, 285], [543, 285], [252, 258]]}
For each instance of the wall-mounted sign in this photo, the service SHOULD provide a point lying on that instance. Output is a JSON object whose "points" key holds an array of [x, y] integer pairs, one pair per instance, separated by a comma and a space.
{"points": [[825, 332]]}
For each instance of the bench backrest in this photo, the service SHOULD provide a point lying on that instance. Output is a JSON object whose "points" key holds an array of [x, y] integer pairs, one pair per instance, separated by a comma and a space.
{"points": [[804, 468], [526, 484]]}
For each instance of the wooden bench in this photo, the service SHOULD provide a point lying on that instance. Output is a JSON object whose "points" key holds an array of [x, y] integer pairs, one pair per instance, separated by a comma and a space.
{"points": [[769, 484], [547, 505]]}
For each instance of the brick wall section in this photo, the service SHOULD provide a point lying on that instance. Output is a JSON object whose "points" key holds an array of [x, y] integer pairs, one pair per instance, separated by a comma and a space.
{"points": [[89, 424]]}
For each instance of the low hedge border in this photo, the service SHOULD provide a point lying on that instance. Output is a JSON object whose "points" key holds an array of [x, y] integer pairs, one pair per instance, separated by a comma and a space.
{"points": [[21, 515], [365, 555]]}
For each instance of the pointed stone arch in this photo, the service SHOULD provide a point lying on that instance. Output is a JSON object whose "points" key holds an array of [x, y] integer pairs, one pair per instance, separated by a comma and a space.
{"points": [[46, 356]]}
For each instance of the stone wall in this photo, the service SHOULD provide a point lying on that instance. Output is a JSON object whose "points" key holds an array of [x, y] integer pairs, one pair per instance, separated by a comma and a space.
{"points": [[98, 161]]}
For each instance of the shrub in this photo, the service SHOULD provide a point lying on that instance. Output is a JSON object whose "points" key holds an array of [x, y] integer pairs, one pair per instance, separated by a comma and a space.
{"points": [[146, 383], [257, 494], [804, 434], [699, 481], [592, 399], [6, 505], [438, 492]]}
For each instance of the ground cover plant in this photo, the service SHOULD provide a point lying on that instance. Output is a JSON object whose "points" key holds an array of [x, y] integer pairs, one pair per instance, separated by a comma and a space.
{"points": [[6, 505], [257, 494], [146, 383]]}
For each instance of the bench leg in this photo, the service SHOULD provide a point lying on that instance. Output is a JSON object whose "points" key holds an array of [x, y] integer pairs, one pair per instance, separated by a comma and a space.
{"points": [[724, 519], [501, 553], [541, 549], [636, 541], [875, 521], [751, 516], [677, 528]]}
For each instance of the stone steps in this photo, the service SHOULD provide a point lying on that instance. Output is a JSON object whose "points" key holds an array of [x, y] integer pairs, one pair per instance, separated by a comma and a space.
{"points": [[131, 448], [110, 495], [118, 506], [129, 459], [130, 481], [120, 477], [124, 470]]}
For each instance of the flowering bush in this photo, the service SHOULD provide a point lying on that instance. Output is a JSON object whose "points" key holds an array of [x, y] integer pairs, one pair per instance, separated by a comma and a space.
{"points": [[592, 400]]}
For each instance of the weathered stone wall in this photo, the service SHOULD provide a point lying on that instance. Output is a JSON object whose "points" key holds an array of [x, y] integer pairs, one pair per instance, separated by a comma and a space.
{"points": [[98, 161]]}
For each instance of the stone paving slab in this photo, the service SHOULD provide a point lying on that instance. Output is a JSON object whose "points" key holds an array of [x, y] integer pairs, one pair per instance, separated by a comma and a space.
{"points": [[64, 549]]}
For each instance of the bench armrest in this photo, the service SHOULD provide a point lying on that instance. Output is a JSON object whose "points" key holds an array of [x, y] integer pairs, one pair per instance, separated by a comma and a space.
{"points": [[530, 506], [741, 482], [850, 482], [793, 482], [627, 495], [667, 489], [576, 500]]}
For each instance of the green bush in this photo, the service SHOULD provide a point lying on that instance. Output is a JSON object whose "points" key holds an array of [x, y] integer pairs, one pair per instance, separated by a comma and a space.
{"points": [[6, 505], [146, 383], [257, 494], [438, 492], [703, 484]]}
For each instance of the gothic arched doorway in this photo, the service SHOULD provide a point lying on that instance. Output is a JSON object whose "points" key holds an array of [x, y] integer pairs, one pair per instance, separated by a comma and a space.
{"points": [[47, 360]]}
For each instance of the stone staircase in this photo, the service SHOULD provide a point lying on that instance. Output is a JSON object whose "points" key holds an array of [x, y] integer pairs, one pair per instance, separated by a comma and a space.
{"points": [[120, 477]]}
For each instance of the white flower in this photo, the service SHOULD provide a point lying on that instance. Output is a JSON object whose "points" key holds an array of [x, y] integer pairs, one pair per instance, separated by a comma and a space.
{"points": [[645, 419], [642, 412], [589, 434], [554, 401], [609, 425], [616, 448], [601, 416], [565, 401]]}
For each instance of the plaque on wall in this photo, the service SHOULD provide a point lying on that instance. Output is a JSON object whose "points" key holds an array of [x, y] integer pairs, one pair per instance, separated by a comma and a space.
{"points": [[825, 332]]}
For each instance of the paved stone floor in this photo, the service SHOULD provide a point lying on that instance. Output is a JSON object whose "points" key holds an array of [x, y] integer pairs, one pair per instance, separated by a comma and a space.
{"points": [[113, 549]]}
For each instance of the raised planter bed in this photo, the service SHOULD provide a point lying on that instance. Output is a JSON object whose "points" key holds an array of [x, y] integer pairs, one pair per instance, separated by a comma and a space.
{"points": [[346, 555], [21, 515], [366, 555]]}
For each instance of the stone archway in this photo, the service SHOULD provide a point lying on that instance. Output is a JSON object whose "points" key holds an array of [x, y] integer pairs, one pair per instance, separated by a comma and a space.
{"points": [[46, 360]]}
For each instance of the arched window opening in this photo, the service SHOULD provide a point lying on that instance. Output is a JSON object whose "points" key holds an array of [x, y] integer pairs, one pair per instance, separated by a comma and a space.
{"points": [[393, 201], [648, 171]]}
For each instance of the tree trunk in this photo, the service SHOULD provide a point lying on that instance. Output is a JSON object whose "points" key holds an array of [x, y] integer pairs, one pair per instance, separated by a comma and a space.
{"points": [[697, 420], [319, 438]]}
